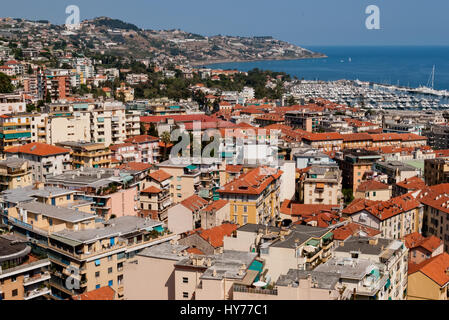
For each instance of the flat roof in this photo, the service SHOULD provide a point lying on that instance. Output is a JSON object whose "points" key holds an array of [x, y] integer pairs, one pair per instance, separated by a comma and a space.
{"points": [[323, 280], [29, 193], [165, 250], [56, 212], [114, 227], [299, 235]]}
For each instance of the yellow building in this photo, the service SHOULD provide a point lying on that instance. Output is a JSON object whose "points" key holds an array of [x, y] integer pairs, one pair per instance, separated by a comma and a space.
{"points": [[429, 279], [88, 154], [14, 173], [254, 196], [15, 130]]}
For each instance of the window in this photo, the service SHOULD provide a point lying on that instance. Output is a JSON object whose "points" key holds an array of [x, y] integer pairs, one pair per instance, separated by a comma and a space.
{"points": [[97, 262], [50, 221], [110, 270], [110, 283], [110, 258], [97, 286], [245, 209], [97, 274], [185, 295], [178, 178], [13, 279], [179, 195], [14, 293], [374, 193], [245, 219], [185, 280]]}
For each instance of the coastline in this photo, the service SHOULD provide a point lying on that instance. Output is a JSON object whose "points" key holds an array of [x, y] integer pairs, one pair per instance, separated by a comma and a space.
{"points": [[210, 62]]}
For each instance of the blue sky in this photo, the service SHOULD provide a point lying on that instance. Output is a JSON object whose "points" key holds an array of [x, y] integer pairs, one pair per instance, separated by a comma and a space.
{"points": [[302, 22]]}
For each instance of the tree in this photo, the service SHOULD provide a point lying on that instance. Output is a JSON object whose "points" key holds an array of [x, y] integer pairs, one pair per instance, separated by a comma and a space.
{"points": [[166, 139], [5, 84], [31, 107], [348, 195], [142, 128], [152, 131]]}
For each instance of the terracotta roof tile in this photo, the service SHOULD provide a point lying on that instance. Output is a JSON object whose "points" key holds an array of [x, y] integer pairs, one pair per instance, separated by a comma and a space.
{"points": [[38, 149], [435, 268], [194, 203], [160, 175], [370, 185], [103, 293]]}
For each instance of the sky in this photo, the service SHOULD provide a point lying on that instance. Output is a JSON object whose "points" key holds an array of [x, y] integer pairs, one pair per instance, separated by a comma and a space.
{"points": [[301, 22]]}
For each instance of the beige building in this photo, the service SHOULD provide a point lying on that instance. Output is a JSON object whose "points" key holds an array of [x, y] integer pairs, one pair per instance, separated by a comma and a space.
{"points": [[15, 173], [436, 171], [373, 190], [321, 185], [23, 276], [97, 256], [185, 216], [88, 154], [215, 214]]}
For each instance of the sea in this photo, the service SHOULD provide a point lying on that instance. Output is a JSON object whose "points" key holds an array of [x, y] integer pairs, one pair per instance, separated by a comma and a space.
{"points": [[409, 66]]}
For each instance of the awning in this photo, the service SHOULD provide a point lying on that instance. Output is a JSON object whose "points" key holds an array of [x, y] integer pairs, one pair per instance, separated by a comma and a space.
{"points": [[387, 285], [191, 167], [320, 185], [159, 228], [313, 242], [328, 235]]}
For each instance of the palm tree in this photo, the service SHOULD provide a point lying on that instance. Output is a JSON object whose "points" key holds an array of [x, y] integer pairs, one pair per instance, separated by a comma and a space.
{"points": [[166, 139]]}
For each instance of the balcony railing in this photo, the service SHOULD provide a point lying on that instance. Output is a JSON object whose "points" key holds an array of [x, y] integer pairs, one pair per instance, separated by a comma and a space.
{"points": [[37, 278], [244, 289], [36, 293]]}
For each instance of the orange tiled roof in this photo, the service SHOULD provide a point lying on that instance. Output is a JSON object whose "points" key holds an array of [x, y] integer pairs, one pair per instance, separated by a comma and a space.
{"points": [[216, 234], [362, 136], [38, 149], [344, 232], [135, 166], [160, 175], [394, 206], [103, 293], [151, 189], [142, 138], [216, 205], [414, 240], [435, 268], [195, 251], [370, 185], [358, 205], [436, 196], [252, 182], [413, 183], [194, 203]]}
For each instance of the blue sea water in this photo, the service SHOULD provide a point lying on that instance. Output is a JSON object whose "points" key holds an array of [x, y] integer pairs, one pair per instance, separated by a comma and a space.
{"points": [[409, 66]]}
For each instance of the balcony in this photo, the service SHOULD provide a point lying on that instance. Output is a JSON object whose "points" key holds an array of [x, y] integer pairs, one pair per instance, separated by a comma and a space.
{"points": [[36, 293], [244, 289], [36, 278]]}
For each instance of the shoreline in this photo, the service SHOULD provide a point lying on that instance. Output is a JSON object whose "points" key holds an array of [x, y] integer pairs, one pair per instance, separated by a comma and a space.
{"points": [[207, 63]]}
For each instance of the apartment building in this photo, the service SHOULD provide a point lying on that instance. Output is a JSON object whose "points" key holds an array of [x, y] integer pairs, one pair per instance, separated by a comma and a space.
{"points": [[300, 247], [215, 214], [156, 197], [321, 184], [421, 248], [23, 275], [88, 154], [396, 171], [429, 279], [95, 257], [408, 185], [185, 215], [394, 218], [112, 191], [146, 147], [436, 171], [297, 285], [185, 178], [391, 257], [436, 219], [212, 277], [15, 173], [44, 159], [254, 196], [354, 164], [373, 190], [11, 103], [132, 118], [15, 130], [160, 258]]}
